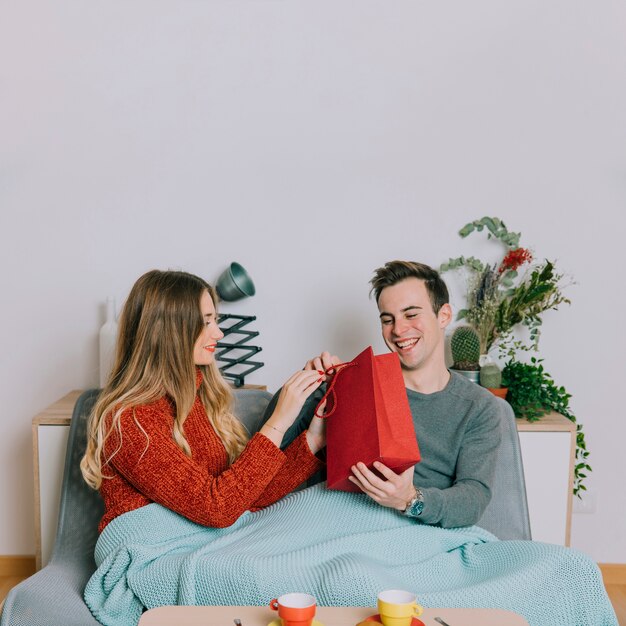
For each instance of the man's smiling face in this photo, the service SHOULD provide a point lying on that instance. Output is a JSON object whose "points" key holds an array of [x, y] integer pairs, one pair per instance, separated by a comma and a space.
{"points": [[410, 327]]}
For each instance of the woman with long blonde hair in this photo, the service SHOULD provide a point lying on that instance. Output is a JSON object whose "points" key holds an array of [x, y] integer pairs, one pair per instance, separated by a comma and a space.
{"points": [[163, 430]]}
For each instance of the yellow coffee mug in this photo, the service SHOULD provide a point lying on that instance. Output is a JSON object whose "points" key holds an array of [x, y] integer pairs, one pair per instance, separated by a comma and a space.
{"points": [[397, 607]]}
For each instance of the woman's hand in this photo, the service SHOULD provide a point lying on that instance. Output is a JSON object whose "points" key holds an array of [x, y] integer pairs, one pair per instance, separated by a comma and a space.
{"points": [[290, 402], [316, 433], [322, 362]]}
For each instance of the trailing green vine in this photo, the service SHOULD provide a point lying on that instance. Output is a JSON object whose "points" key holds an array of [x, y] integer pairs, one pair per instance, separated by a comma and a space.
{"points": [[533, 393]]}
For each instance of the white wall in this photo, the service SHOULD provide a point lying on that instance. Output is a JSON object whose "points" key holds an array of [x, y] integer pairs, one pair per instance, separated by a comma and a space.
{"points": [[311, 141]]}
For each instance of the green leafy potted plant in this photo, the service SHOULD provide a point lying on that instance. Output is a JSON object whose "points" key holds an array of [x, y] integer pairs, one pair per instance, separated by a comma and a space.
{"points": [[532, 393]]}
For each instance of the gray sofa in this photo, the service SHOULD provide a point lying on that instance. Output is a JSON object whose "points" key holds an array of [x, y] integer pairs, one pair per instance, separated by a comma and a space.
{"points": [[54, 595]]}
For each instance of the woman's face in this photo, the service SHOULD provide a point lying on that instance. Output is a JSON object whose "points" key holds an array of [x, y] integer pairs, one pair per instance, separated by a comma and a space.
{"points": [[204, 348]]}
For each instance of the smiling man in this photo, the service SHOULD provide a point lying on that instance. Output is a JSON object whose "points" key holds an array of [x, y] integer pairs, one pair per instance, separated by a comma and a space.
{"points": [[456, 421], [414, 313]]}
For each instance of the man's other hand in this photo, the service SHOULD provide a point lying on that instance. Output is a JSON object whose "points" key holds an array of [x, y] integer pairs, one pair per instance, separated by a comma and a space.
{"points": [[394, 492]]}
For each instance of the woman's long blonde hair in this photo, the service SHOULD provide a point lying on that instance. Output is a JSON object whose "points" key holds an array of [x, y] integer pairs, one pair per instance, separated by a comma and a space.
{"points": [[159, 325]]}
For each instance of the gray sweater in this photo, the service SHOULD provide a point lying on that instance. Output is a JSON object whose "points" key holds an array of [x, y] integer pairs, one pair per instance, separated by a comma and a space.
{"points": [[458, 434]]}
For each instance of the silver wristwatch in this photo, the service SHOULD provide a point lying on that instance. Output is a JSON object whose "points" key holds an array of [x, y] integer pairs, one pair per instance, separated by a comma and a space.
{"points": [[415, 506]]}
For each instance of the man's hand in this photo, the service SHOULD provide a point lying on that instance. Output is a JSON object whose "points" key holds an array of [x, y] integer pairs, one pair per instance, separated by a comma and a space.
{"points": [[393, 493], [322, 362]]}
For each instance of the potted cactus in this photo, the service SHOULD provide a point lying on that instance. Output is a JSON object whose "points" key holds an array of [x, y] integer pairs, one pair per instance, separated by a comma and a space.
{"points": [[491, 379], [465, 347]]}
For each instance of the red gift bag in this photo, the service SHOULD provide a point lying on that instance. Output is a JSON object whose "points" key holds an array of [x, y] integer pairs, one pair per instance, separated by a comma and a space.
{"points": [[369, 418]]}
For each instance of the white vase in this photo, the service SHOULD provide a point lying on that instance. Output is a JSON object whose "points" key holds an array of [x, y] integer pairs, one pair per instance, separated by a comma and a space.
{"points": [[108, 336]]}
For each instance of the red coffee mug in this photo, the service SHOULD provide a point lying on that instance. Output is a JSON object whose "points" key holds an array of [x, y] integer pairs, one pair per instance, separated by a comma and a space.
{"points": [[295, 609]]}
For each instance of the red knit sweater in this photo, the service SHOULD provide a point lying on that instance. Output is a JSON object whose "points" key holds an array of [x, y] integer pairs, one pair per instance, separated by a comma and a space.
{"points": [[203, 488]]}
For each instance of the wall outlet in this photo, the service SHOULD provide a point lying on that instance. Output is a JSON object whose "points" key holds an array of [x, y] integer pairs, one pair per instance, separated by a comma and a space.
{"points": [[586, 505]]}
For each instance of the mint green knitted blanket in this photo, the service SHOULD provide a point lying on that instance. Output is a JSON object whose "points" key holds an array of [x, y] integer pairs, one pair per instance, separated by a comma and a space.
{"points": [[342, 548]]}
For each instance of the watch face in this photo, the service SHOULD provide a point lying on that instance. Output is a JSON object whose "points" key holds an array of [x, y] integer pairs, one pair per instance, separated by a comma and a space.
{"points": [[416, 508]]}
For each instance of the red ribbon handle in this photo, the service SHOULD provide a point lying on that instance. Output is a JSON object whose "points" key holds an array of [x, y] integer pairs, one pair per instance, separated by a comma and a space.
{"points": [[338, 368]]}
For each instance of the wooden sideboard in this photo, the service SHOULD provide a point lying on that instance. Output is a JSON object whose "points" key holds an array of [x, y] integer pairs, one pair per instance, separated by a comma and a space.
{"points": [[50, 430], [548, 449], [548, 453]]}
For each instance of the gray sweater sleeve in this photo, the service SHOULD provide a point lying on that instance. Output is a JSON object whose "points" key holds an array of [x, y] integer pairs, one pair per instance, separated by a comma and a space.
{"points": [[464, 501]]}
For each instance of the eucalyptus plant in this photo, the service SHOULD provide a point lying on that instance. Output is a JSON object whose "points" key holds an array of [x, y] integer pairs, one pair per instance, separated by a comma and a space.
{"points": [[499, 298]]}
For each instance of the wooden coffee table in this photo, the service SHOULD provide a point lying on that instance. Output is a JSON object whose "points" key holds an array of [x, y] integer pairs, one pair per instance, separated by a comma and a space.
{"points": [[328, 616]]}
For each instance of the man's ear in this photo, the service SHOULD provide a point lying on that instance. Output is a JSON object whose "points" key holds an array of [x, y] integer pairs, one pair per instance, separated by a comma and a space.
{"points": [[445, 315]]}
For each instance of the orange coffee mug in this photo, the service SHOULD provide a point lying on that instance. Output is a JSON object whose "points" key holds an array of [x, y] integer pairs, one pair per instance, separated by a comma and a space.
{"points": [[295, 609]]}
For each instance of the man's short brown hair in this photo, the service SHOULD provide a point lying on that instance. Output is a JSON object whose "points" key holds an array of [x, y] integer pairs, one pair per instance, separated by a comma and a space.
{"points": [[394, 272]]}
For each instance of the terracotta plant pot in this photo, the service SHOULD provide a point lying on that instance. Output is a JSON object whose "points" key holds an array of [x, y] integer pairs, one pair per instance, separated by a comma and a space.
{"points": [[500, 392]]}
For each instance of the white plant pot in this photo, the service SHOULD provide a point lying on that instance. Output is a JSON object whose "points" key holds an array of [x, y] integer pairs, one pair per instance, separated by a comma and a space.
{"points": [[473, 375]]}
